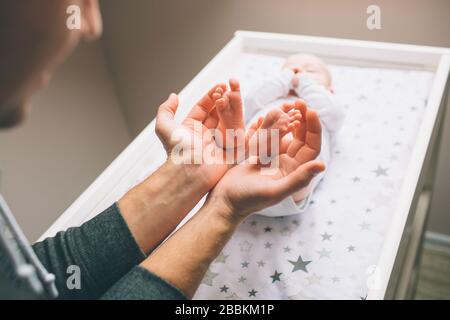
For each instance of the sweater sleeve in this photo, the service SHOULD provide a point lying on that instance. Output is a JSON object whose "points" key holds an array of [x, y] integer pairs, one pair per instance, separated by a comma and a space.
{"points": [[99, 253], [318, 98], [140, 284]]}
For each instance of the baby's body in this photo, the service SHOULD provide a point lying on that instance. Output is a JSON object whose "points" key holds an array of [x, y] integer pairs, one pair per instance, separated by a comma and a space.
{"points": [[306, 77]]}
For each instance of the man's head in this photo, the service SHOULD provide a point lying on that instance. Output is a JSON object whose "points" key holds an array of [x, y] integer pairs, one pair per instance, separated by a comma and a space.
{"points": [[34, 40]]}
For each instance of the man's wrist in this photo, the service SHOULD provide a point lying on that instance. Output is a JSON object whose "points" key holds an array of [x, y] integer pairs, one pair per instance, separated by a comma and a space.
{"points": [[173, 190], [205, 174], [191, 175], [222, 210]]}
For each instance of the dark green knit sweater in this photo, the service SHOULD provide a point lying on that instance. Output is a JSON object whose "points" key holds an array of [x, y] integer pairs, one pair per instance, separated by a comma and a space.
{"points": [[107, 256]]}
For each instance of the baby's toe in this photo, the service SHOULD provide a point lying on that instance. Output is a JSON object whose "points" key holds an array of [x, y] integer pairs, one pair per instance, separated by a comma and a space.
{"points": [[283, 124], [217, 89], [235, 99], [271, 118], [221, 104]]}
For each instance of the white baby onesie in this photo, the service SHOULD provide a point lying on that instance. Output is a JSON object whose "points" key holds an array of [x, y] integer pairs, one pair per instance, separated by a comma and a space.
{"points": [[274, 91]]}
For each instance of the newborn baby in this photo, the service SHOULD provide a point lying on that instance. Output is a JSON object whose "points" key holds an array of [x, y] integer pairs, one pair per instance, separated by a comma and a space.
{"points": [[307, 77]]}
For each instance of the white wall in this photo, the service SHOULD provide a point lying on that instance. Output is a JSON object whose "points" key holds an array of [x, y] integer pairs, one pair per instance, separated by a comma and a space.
{"points": [[155, 47], [75, 131]]}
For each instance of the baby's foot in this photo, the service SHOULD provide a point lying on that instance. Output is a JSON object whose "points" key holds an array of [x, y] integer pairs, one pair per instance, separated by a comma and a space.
{"points": [[275, 125], [231, 116]]}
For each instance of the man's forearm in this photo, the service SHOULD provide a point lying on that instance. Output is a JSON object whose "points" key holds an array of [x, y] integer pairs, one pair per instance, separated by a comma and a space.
{"points": [[155, 207], [184, 258]]}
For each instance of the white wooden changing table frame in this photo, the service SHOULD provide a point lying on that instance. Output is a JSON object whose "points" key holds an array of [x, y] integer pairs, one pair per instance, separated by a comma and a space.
{"points": [[401, 249]]}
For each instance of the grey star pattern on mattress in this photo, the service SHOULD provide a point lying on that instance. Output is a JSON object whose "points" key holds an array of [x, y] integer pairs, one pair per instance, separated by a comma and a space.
{"points": [[299, 264], [222, 258], [209, 277], [324, 253], [276, 276], [224, 288], [327, 251]]}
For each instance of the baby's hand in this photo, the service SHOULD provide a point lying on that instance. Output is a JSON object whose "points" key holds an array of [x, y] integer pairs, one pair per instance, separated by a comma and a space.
{"points": [[229, 108]]}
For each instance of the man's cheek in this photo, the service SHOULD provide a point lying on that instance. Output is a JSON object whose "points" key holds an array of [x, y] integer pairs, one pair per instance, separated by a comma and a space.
{"points": [[13, 116]]}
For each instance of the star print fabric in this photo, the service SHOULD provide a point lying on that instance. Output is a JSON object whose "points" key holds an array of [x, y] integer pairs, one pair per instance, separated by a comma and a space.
{"points": [[329, 251]]}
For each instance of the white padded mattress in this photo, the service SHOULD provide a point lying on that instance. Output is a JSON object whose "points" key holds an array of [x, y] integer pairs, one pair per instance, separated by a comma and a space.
{"points": [[330, 251]]}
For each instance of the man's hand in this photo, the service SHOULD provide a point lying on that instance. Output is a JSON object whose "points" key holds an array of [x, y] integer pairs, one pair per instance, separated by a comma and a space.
{"points": [[193, 135], [241, 191], [175, 189], [245, 189]]}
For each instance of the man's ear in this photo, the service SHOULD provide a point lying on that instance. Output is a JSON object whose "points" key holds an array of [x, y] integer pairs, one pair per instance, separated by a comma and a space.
{"points": [[92, 19]]}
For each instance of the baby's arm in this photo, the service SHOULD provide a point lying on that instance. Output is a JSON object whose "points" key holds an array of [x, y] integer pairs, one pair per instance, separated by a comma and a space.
{"points": [[268, 91], [318, 98]]}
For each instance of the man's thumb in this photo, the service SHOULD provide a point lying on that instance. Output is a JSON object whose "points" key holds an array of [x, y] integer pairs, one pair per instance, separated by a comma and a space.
{"points": [[299, 178], [169, 107], [166, 113]]}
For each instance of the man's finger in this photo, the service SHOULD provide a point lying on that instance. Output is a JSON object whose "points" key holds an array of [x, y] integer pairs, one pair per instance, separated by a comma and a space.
{"points": [[300, 131], [169, 107], [212, 120], [298, 179], [313, 136], [294, 146], [310, 148]]}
